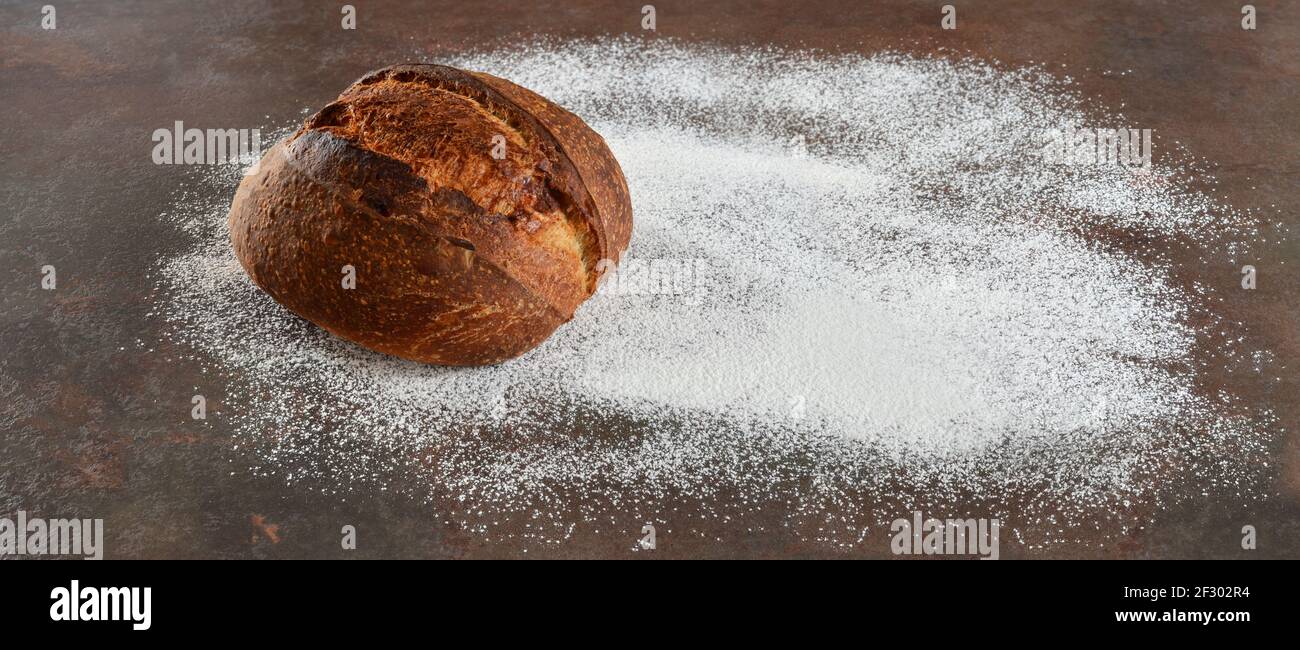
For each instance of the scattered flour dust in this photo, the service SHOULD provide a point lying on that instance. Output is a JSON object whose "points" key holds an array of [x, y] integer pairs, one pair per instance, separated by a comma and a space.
{"points": [[895, 305]]}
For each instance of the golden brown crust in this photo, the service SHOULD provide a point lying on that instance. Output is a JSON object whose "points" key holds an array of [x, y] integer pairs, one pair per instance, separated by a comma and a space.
{"points": [[462, 257], [588, 153]]}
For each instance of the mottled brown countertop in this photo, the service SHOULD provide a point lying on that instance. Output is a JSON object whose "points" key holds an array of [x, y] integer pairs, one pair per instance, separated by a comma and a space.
{"points": [[93, 408]]}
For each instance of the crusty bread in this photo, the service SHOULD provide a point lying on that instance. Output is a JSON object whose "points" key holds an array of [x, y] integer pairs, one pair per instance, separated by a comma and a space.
{"points": [[467, 250]]}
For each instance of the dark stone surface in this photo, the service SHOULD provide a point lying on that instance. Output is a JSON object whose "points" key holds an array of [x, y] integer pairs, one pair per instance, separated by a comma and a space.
{"points": [[94, 408]]}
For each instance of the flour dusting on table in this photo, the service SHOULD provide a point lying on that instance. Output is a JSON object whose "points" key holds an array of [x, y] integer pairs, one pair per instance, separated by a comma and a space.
{"points": [[883, 298]]}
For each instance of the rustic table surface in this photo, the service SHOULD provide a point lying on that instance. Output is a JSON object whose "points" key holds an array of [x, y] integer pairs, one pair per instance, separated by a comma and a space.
{"points": [[94, 406]]}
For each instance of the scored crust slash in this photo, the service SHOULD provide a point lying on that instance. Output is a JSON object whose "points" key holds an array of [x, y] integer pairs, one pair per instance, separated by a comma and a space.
{"points": [[473, 213]]}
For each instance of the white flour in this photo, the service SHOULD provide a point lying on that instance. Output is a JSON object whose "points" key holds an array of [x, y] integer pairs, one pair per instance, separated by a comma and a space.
{"points": [[900, 303]]}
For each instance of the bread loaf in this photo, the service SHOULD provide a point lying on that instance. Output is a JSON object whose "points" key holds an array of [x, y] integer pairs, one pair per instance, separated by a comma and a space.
{"points": [[471, 213]]}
